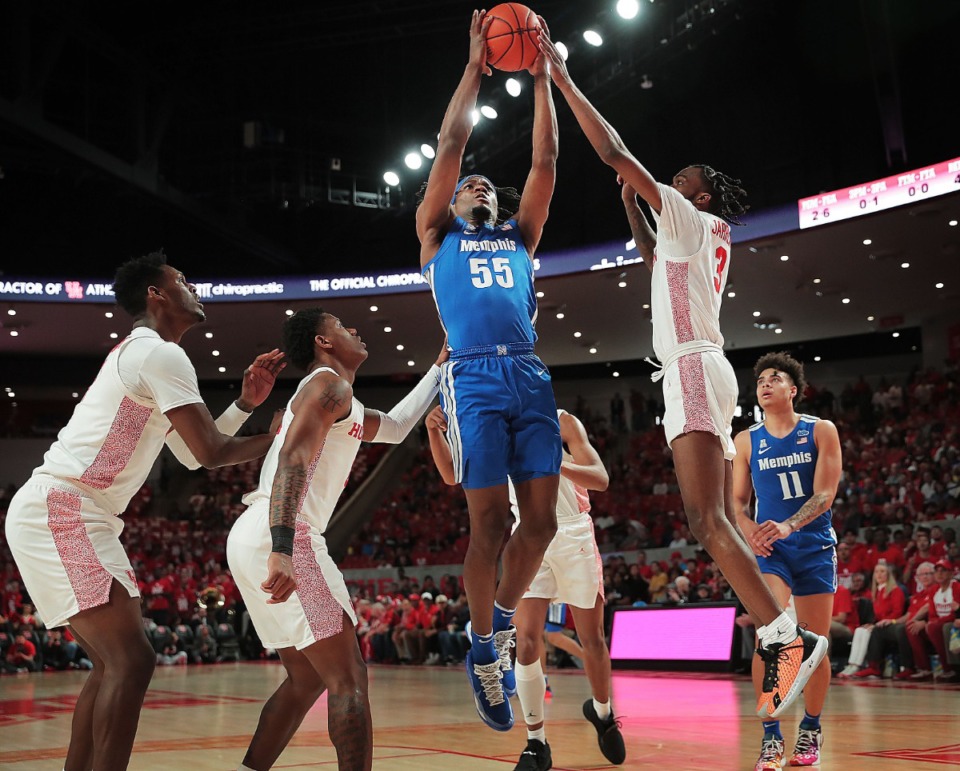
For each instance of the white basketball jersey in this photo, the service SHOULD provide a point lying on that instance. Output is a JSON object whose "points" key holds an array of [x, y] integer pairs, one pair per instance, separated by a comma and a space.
{"points": [[572, 500], [690, 269], [330, 469], [118, 429]]}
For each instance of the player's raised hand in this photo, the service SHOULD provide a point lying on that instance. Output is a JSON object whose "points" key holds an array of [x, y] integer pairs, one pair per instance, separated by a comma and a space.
{"points": [[558, 67], [541, 65], [281, 581], [259, 379], [479, 24]]}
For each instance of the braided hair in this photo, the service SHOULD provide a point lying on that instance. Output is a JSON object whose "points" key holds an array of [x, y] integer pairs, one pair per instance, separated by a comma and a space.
{"points": [[508, 201], [725, 194]]}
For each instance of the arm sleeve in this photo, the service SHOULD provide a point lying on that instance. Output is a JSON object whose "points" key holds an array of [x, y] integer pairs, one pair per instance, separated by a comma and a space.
{"points": [[396, 424], [228, 423], [679, 226]]}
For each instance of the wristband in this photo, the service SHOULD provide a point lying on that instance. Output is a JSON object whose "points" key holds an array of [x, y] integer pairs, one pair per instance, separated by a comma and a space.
{"points": [[282, 537]]}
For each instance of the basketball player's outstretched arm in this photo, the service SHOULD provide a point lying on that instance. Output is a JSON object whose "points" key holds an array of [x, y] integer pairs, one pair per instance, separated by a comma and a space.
{"points": [[322, 402], [743, 494], [586, 469], [604, 137], [826, 478], [433, 214], [538, 189], [644, 235]]}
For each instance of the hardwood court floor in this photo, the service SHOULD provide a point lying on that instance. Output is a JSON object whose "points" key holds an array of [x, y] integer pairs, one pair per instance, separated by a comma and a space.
{"points": [[201, 718]]}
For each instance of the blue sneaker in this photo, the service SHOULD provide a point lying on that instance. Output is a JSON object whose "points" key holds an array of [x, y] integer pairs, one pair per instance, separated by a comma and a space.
{"points": [[503, 642], [492, 706]]}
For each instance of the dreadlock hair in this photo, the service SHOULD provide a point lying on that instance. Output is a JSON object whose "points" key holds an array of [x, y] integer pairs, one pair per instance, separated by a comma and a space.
{"points": [[134, 277], [725, 194], [508, 201], [299, 332], [783, 362]]}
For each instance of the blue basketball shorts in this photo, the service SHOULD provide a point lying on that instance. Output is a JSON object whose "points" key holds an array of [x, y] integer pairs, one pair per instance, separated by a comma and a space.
{"points": [[556, 620], [501, 419], [807, 563]]}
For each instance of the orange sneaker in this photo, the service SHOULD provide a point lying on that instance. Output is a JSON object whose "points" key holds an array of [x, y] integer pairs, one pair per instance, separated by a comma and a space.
{"points": [[786, 669]]}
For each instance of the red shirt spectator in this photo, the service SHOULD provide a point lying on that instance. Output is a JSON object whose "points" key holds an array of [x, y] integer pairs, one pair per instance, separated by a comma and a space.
{"points": [[843, 603]]}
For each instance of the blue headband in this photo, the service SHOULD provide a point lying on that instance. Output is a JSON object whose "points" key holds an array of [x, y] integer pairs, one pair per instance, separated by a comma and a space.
{"points": [[464, 179]]}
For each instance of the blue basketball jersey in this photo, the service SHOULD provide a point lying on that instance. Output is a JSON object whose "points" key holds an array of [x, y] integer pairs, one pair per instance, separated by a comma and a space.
{"points": [[482, 282], [783, 471]]}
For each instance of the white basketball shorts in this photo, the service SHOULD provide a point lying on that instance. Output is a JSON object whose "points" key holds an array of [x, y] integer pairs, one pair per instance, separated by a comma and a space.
{"points": [[572, 570], [700, 394], [315, 610], [67, 548]]}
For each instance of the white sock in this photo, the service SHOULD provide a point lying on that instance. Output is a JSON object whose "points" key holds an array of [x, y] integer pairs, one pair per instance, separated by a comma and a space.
{"points": [[603, 710], [539, 734], [242, 767], [781, 630], [531, 688]]}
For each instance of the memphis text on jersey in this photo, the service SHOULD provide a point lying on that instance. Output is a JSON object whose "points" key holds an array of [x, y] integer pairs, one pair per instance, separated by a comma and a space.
{"points": [[492, 245], [785, 461]]}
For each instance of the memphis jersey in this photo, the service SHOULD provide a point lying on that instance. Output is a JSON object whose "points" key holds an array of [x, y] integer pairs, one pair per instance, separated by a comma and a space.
{"points": [[783, 472], [690, 269], [329, 471], [117, 430], [573, 501], [482, 282]]}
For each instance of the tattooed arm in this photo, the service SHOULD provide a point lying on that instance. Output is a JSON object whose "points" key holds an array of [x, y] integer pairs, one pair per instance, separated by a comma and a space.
{"points": [[825, 481], [323, 401], [643, 234]]}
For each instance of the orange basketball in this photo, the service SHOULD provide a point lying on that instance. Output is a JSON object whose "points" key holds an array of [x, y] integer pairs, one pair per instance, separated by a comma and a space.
{"points": [[512, 37]]}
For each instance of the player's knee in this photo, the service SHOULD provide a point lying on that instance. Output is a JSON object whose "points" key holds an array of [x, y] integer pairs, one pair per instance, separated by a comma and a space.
{"points": [[592, 642], [135, 667], [527, 647], [348, 680]]}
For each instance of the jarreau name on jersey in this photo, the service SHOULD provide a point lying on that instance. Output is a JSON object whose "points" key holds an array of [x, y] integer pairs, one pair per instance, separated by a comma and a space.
{"points": [[492, 245], [786, 461]]}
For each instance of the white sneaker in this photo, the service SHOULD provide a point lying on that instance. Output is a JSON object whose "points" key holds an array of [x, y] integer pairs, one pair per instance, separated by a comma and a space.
{"points": [[849, 670]]}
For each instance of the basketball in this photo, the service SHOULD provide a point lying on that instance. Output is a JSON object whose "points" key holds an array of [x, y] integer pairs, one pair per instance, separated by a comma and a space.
{"points": [[512, 37]]}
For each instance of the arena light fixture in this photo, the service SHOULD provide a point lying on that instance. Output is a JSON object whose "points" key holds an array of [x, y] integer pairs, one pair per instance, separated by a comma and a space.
{"points": [[513, 87], [939, 285], [816, 358], [540, 294], [576, 334], [731, 294], [113, 335], [560, 315], [628, 9], [622, 284], [221, 369], [374, 308], [400, 347], [214, 353], [867, 241], [107, 315], [475, 116], [896, 334], [208, 335], [593, 38], [488, 112], [845, 301], [388, 329], [75, 395], [869, 318], [14, 333], [616, 374], [289, 312], [756, 314], [413, 160], [784, 257], [904, 265], [593, 350], [816, 281], [952, 223], [562, 50], [427, 151], [391, 178], [411, 363]]}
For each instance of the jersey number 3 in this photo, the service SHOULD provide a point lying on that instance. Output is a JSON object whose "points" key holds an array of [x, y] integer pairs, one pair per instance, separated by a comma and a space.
{"points": [[483, 276], [721, 264]]}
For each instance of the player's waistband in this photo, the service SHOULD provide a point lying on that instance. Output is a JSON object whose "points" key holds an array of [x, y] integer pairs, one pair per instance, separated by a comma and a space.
{"points": [[684, 349], [483, 351]]}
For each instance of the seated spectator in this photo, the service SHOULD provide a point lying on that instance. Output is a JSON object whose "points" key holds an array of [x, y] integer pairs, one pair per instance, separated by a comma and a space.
{"points": [[22, 655], [888, 604], [204, 645], [944, 604], [912, 641], [453, 637]]}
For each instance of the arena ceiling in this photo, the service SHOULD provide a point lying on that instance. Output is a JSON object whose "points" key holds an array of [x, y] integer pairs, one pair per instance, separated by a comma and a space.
{"points": [[225, 133]]}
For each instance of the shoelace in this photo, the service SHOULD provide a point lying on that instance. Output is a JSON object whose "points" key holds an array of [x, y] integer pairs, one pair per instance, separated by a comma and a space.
{"points": [[806, 742], [503, 642], [771, 750], [490, 677], [771, 665]]}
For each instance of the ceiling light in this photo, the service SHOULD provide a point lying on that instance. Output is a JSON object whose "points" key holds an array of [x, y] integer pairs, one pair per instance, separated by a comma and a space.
{"points": [[214, 353], [11, 394], [475, 116], [939, 285], [616, 374], [628, 9], [845, 301], [488, 112], [867, 241], [108, 314], [208, 335], [562, 50], [784, 257], [411, 363], [622, 284], [413, 160], [778, 331], [576, 334], [560, 315], [513, 87], [539, 294], [646, 306], [646, 84], [896, 334], [816, 281], [113, 335], [904, 265], [593, 350], [221, 369], [816, 358], [400, 347], [289, 312], [869, 318], [14, 333], [75, 395], [592, 37], [12, 312], [952, 223], [374, 308], [391, 178], [388, 329], [731, 294], [427, 151], [754, 249], [756, 314]]}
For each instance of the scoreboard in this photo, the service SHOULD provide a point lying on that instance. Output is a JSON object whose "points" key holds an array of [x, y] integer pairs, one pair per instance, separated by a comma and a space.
{"points": [[897, 190]]}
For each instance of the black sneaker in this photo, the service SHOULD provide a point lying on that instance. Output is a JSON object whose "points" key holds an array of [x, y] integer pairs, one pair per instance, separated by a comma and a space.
{"points": [[608, 734], [536, 757]]}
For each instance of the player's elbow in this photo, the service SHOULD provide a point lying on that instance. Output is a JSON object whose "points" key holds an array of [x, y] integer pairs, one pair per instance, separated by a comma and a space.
{"points": [[601, 481]]}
